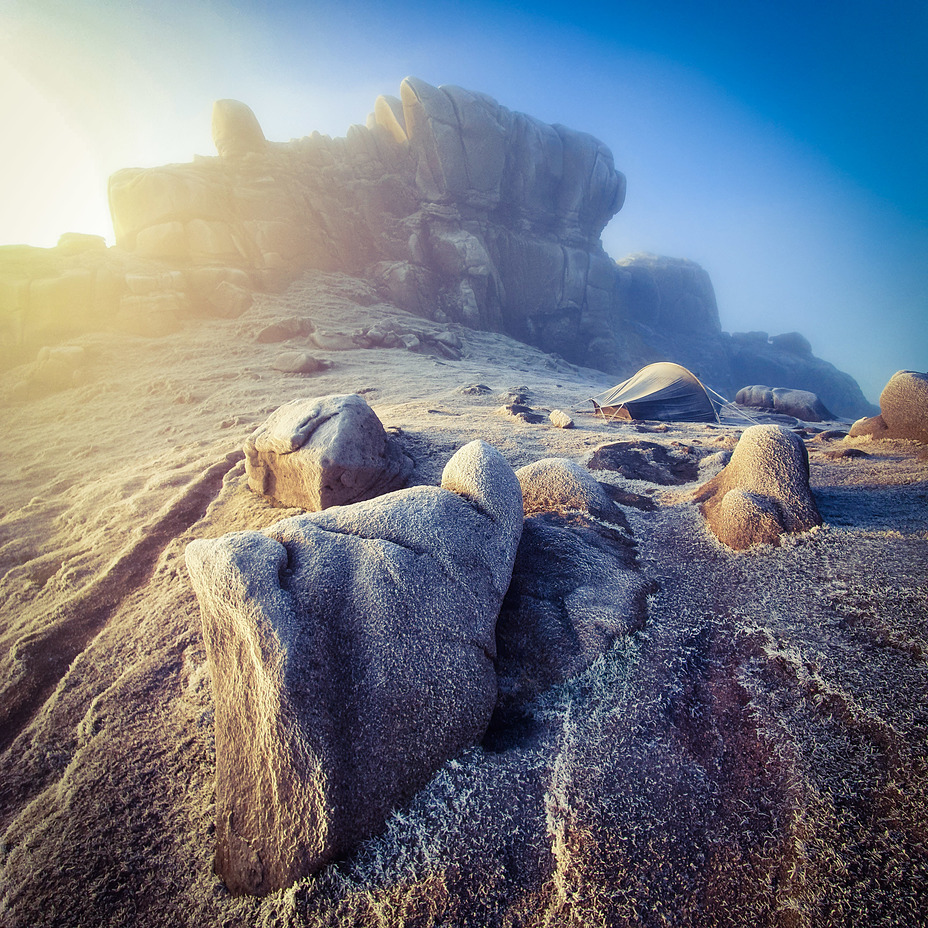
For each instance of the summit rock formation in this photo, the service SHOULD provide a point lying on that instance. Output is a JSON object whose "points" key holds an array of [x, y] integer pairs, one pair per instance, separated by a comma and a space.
{"points": [[454, 207]]}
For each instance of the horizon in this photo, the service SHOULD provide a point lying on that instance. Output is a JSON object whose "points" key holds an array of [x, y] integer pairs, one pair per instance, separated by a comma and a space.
{"points": [[740, 131]]}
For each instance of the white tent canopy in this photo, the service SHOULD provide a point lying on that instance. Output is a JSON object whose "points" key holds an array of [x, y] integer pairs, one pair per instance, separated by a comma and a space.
{"points": [[664, 391]]}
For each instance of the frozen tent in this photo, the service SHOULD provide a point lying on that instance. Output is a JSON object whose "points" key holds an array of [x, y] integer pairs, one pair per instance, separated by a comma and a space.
{"points": [[664, 391]]}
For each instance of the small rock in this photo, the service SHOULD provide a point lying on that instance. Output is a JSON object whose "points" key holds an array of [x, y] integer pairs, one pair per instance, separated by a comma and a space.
{"points": [[837, 454], [284, 329], [560, 419], [829, 435], [299, 362], [450, 339], [564, 486], [518, 396], [521, 412], [333, 341]]}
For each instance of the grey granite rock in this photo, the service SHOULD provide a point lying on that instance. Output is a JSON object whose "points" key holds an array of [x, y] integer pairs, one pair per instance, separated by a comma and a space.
{"points": [[351, 654], [802, 404], [321, 452], [575, 588]]}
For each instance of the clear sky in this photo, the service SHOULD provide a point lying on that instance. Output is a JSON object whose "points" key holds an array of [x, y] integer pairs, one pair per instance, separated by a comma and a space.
{"points": [[782, 145]]}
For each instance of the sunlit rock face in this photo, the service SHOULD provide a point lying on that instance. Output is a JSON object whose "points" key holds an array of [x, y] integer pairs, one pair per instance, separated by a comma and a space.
{"points": [[454, 208], [903, 409], [459, 209], [763, 492]]}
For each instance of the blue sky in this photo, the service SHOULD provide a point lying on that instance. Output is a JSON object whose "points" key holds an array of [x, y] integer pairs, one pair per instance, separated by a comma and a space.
{"points": [[781, 145]]}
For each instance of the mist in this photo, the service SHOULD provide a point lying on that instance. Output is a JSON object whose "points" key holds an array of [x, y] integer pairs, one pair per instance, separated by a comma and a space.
{"points": [[780, 150]]}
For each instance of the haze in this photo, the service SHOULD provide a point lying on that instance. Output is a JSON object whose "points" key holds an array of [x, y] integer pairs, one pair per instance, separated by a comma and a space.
{"points": [[780, 146]]}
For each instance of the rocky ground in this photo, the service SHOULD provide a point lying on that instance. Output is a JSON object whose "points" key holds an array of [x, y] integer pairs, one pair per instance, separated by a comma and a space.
{"points": [[754, 752]]}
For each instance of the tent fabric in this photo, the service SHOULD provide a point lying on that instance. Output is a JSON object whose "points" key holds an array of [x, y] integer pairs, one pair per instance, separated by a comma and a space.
{"points": [[664, 391]]}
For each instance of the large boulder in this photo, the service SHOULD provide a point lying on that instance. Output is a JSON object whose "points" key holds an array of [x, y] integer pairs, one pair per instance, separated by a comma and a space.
{"points": [[802, 404], [236, 130], [351, 654], [575, 588], [328, 451], [903, 409], [763, 492]]}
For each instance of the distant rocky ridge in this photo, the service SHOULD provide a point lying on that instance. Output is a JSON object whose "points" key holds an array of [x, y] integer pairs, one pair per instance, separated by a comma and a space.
{"points": [[458, 209]]}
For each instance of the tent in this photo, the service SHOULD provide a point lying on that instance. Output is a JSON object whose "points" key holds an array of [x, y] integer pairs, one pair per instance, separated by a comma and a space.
{"points": [[663, 391]]}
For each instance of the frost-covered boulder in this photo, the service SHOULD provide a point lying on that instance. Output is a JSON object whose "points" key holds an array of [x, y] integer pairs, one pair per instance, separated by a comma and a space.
{"points": [[903, 409], [328, 451], [802, 404], [763, 492], [351, 654]]}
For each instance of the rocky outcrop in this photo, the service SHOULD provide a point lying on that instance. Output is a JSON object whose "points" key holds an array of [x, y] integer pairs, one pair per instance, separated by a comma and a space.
{"points": [[351, 654], [575, 588], [763, 492], [327, 451], [456, 209], [903, 410], [798, 403], [459, 208], [668, 305], [757, 358]]}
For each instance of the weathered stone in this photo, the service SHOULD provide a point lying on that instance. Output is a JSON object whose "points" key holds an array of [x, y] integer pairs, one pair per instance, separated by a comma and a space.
{"points": [[229, 300], [521, 412], [575, 586], [333, 341], [351, 654], [764, 491], [802, 404], [475, 389], [638, 459], [560, 419], [236, 130], [903, 410], [299, 362], [316, 453], [904, 405], [563, 486], [756, 358], [840, 454], [284, 329], [873, 426]]}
